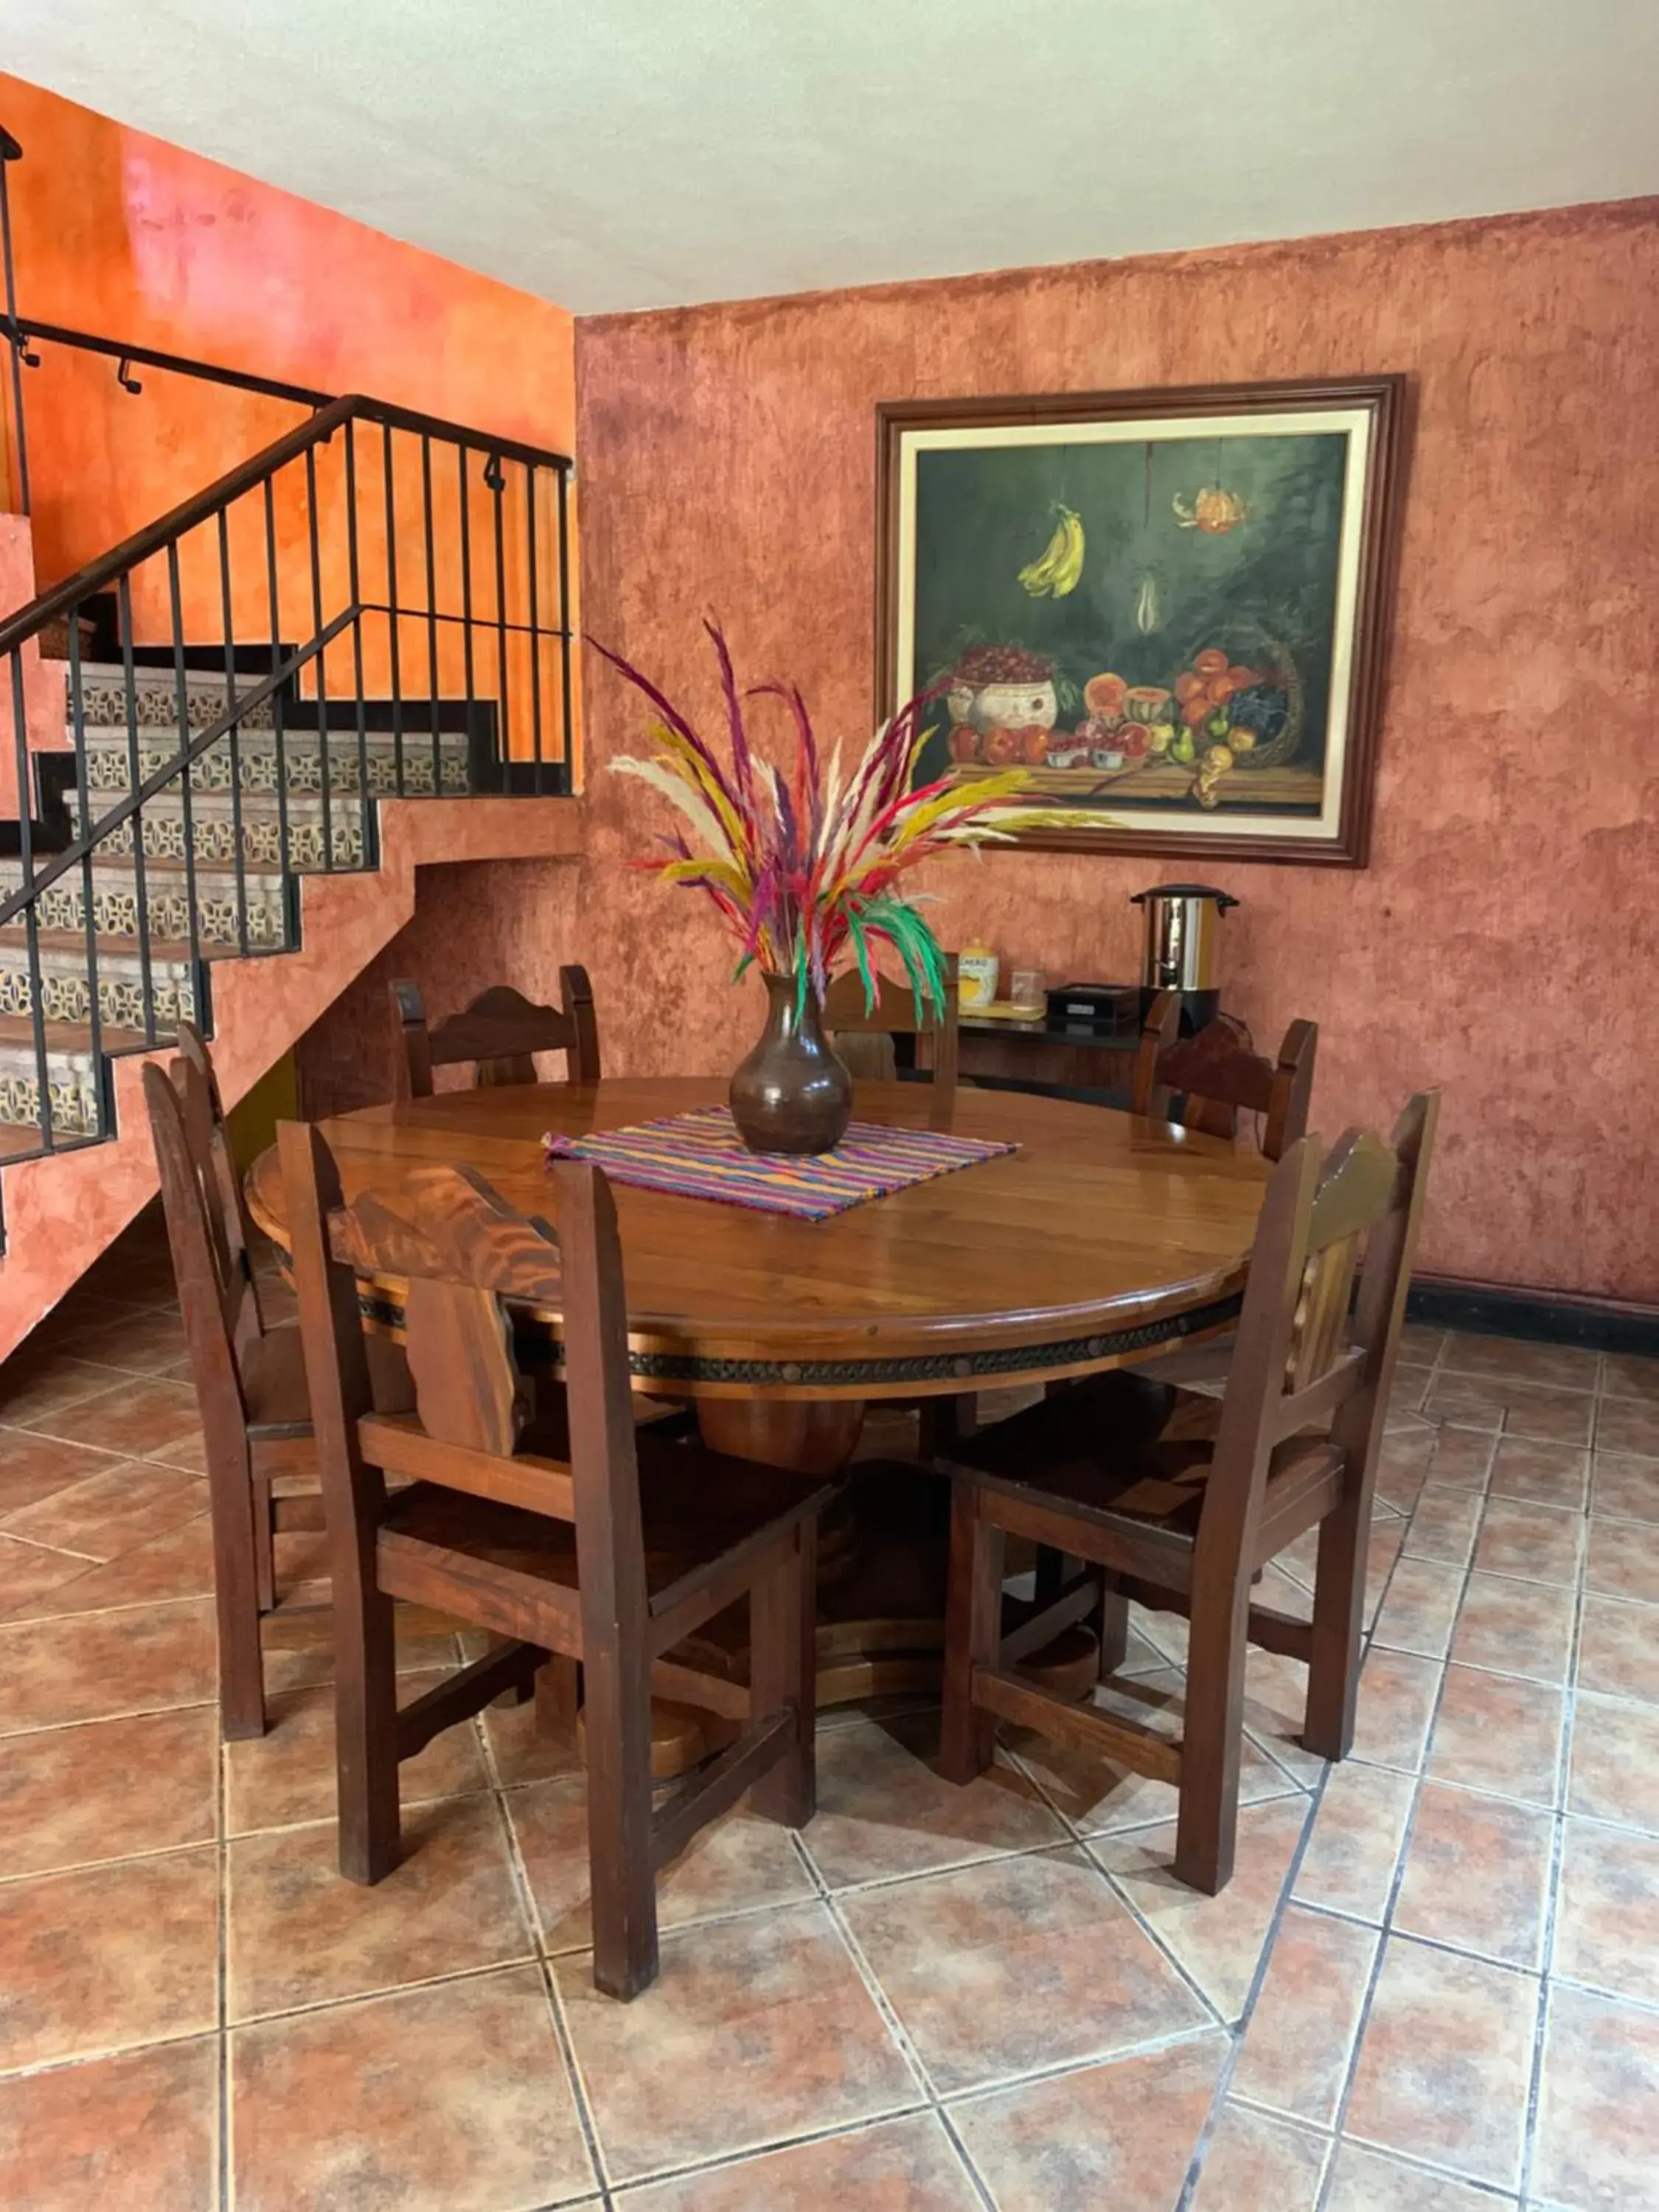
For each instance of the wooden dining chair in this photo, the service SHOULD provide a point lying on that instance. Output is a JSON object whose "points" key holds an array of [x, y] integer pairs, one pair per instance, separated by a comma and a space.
{"points": [[1217, 1074], [249, 1380], [582, 1539], [1178, 1500], [849, 1021], [499, 1033]]}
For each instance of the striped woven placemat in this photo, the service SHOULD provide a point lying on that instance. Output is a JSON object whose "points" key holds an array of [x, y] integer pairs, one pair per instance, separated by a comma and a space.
{"points": [[700, 1155]]}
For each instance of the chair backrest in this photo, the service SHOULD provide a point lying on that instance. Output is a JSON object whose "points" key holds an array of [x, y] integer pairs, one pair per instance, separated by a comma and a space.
{"points": [[1312, 1358], [894, 1014], [463, 1254], [499, 1032], [209, 1260], [1218, 1074]]}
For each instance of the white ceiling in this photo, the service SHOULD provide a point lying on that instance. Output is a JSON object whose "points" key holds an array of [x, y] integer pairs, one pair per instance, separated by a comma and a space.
{"points": [[646, 153]]}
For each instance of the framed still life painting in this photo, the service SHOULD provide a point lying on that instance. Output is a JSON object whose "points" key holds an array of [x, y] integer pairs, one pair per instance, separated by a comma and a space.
{"points": [[1171, 606]]}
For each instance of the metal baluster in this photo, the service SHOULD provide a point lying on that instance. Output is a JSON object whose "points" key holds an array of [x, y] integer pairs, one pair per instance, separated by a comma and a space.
{"points": [[185, 797], [88, 912], [568, 778], [236, 735], [366, 857], [134, 777], [432, 616], [495, 477], [392, 615], [466, 595], [30, 918], [535, 626], [284, 860], [321, 662], [11, 151]]}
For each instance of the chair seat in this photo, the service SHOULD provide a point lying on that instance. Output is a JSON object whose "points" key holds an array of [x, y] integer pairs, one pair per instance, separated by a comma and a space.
{"points": [[273, 1383], [696, 1507], [1124, 1447]]}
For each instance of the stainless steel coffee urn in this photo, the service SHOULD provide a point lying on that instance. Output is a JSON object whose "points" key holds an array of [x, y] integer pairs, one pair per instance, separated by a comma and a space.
{"points": [[1183, 942]]}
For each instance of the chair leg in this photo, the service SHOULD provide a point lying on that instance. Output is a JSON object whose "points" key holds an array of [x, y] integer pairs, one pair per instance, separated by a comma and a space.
{"points": [[558, 1698], [621, 1876], [1111, 1622], [783, 1667], [264, 1542], [233, 1525], [366, 1733], [973, 1634], [1339, 1612], [1206, 1819]]}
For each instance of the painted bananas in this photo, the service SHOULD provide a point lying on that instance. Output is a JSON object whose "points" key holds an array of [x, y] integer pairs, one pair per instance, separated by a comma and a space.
{"points": [[1061, 565]]}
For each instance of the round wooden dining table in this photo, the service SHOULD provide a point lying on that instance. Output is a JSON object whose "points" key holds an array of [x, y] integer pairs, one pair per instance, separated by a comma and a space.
{"points": [[1102, 1239]]}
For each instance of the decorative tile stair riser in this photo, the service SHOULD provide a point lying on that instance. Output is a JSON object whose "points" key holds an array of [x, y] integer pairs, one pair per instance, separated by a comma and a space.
{"points": [[699, 1154]]}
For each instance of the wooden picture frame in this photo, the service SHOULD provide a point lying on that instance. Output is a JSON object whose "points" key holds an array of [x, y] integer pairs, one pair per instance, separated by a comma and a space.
{"points": [[1223, 555]]}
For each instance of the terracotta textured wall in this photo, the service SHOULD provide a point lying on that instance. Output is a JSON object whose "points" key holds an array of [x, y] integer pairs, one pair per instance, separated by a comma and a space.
{"points": [[1503, 940]]}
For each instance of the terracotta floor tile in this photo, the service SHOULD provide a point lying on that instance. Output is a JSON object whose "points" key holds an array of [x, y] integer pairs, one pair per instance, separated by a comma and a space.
{"points": [[147, 1419], [1420, 1606], [738, 1863], [108, 1957], [1625, 1424], [1402, 1469], [1512, 1359], [1623, 1488], [1382, 1550], [1460, 1458], [33, 1468], [138, 1343], [1411, 1386], [1606, 1912], [1520, 1409], [298, 1649], [1541, 1474], [1500, 1735], [1256, 2160], [288, 1774], [1121, 2135], [100, 1665], [884, 1810], [37, 1380], [1098, 1797], [1445, 2064], [1598, 2106], [773, 2034], [1275, 1707], [1615, 1763], [301, 1934], [139, 2132], [1512, 1627], [112, 1511], [1629, 1375], [1396, 1704], [1350, 1860], [1477, 1875], [1537, 1543], [178, 1565], [999, 1968], [1442, 1525], [1296, 2046], [29, 1571], [453, 2098], [1365, 2181], [908, 2164], [1622, 1560], [108, 1789], [1618, 1650], [1423, 1342], [1217, 1939]]}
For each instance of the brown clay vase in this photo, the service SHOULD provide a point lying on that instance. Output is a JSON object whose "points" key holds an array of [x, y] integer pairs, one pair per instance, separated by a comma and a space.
{"points": [[792, 1094]]}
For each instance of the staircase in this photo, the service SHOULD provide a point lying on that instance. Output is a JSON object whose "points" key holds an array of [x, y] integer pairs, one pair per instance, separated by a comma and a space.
{"points": [[347, 658]]}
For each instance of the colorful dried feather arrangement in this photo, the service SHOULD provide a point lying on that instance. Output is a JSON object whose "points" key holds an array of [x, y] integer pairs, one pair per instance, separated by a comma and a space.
{"points": [[805, 864]]}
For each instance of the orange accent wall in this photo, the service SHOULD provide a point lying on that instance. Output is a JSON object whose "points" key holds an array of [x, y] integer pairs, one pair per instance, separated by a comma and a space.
{"points": [[1504, 940]]}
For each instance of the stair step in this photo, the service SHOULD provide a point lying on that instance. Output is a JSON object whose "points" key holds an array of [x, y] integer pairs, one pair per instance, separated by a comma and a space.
{"points": [[155, 697], [62, 906], [213, 827], [74, 1080], [109, 766], [66, 992]]}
